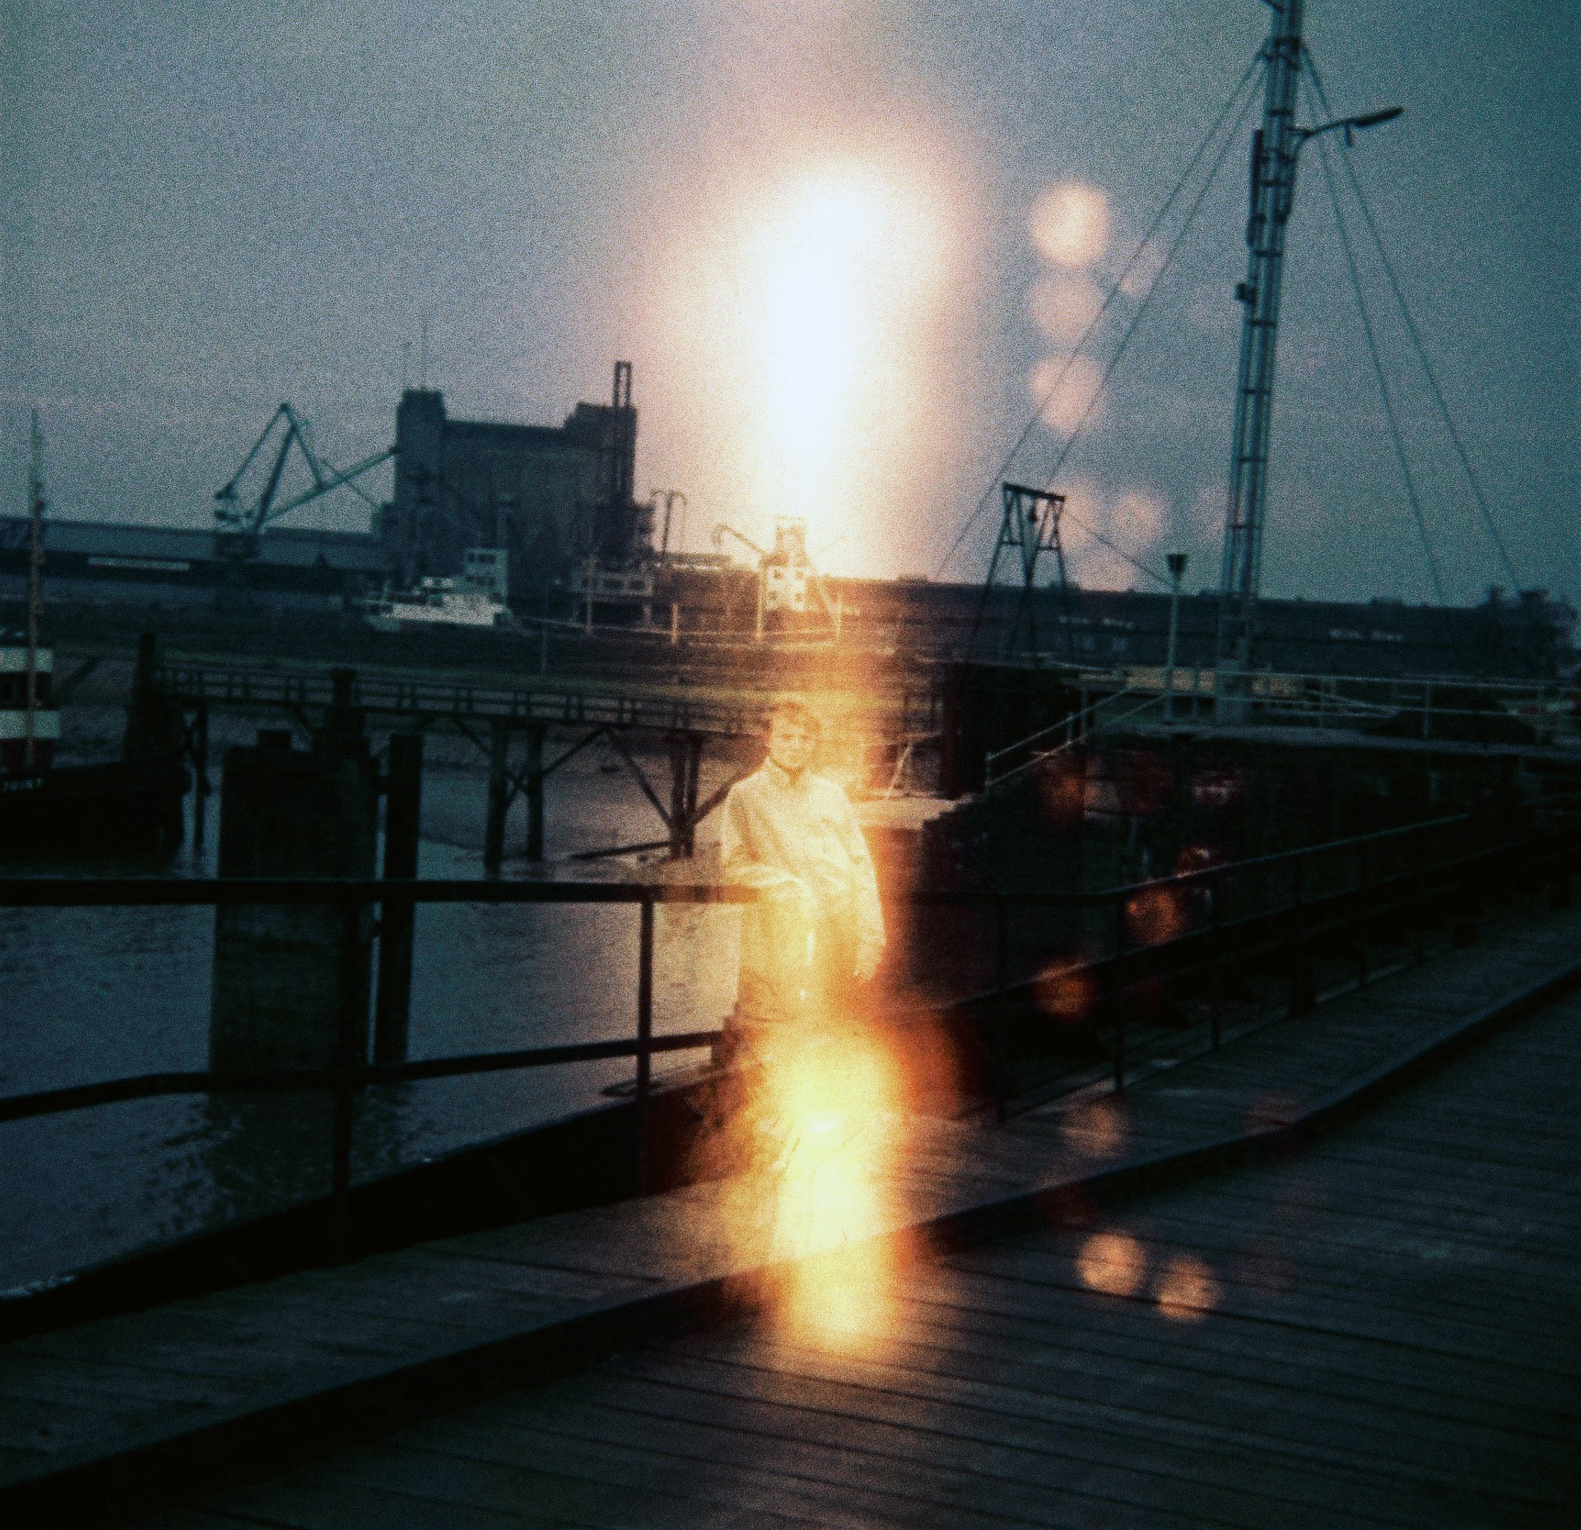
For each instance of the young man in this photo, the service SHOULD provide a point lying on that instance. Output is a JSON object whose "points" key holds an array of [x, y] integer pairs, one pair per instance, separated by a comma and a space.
{"points": [[817, 932]]}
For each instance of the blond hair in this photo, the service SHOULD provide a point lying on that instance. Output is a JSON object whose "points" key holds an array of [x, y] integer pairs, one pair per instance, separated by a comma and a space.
{"points": [[795, 706]]}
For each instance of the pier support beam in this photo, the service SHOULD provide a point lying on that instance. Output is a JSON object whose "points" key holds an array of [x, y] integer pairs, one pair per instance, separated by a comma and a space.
{"points": [[499, 794], [402, 813], [534, 784], [686, 756], [289, 981]]}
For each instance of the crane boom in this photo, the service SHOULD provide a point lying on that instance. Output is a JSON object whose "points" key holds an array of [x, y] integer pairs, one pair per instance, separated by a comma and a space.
{"points": [[237, 526]]}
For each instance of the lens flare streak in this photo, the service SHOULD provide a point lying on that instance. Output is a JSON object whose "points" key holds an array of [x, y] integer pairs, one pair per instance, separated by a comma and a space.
{"points": [[827, 1123]]}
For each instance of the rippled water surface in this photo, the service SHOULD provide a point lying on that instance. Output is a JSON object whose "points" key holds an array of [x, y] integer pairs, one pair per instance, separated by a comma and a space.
{"points": [[89, 994]]}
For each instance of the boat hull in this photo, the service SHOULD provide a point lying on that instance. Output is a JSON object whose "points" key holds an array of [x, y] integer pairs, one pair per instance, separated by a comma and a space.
{"points": [[128, 805]]}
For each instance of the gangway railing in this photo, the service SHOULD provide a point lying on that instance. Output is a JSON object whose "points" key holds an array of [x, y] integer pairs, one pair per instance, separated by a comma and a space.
{"points": [[1424, 705], [1064, 734]]}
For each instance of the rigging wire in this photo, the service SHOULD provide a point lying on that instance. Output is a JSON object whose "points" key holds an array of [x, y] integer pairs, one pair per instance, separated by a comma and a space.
{"points": [[1416, 339], [1147, 298], [1142, 245], [1377, 367], [1114, 547], [1114, 361]]}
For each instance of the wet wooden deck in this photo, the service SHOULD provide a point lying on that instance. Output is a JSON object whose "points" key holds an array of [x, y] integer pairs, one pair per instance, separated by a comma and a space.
{"points": [[1378, 1329]]}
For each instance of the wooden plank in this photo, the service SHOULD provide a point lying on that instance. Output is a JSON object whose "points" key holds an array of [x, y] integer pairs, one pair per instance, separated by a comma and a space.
{"points": [[965, 1298], [501, 1269], [1265, 1409], [591, 1495], [1558, 1354], [955, 1479], [1323, 1373], [1042, 1442], [1307, 1186], [303, 1501], [1266, 1421], [605, 1447], [1477, 1274], [186, 1519]]}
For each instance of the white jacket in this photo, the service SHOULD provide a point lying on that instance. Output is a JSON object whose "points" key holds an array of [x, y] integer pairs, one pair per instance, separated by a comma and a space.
{"points": [[797, 838]]}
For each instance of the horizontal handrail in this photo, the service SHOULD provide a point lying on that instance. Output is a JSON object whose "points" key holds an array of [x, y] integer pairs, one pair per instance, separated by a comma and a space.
{"points": [[1064, 722], [115, 892], [354, 1074], [47, 1102], [546, 703]]}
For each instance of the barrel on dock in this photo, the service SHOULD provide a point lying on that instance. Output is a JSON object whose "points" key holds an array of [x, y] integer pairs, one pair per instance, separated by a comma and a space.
{"points": [[284, 975]]}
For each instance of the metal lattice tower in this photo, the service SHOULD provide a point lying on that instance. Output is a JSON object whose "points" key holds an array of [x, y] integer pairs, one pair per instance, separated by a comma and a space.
{"points": [[1273, 171], [1031, 526]]}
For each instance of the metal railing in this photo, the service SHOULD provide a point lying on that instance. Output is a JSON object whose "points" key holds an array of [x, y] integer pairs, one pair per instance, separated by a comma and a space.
{"points": [[1080, 725], [1193, 928], [1184, 926], [1423, 704], [659, 709], [352, 1072]]}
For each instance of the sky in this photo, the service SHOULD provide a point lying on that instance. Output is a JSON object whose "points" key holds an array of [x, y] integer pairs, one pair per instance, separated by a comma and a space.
{"points": [[847, 245]]}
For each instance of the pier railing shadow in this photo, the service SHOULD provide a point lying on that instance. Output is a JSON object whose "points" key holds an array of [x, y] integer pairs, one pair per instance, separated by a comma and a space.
{"points": [[1188, 933]]}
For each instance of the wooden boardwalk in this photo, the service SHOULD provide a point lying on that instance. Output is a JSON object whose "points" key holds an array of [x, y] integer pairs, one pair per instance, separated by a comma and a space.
{"points": [[1378, 1329]]}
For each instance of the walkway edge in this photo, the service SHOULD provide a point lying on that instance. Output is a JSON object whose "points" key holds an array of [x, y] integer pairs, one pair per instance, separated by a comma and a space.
{"points": [[78, 1492]]}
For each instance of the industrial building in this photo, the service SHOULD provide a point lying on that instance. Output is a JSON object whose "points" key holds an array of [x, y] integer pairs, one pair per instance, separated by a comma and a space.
{"points": [[558, 501]]}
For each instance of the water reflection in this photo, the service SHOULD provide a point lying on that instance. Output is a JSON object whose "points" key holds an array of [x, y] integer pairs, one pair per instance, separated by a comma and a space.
{"points": [[107, 993], [1113, 1263]]}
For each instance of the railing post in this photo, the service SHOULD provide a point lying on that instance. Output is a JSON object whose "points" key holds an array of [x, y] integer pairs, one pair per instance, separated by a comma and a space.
{"points": [[1001, 1002], [1119, 995], [535, 738], [499, 794], [1216, 937], [1364, 907], [397, 915], [346, 1058], [644, 1036], [1420, 879], [1302, 998], [200, 770]]}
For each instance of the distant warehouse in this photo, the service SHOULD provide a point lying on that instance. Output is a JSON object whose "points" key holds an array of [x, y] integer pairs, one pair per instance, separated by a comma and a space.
{"points": [[102, 560], [557, 499], [551, 497]]}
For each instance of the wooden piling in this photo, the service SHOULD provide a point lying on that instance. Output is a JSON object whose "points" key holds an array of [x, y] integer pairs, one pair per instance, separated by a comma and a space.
{"points": [[499, 794], [284, 979], [677, 815], [535, 773], [402, 813]]}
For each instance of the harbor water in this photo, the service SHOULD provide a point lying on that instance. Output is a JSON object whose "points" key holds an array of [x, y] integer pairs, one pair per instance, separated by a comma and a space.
{"points": [[93, 994]]}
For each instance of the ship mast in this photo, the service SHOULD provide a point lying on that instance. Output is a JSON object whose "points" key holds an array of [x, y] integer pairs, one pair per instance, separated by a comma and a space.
{"points": [[1273, 172], [1275, 147], [35, 570]]}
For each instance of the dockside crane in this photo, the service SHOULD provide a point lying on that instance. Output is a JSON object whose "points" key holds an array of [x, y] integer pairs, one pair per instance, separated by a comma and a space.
{"points": [[238, 526]]}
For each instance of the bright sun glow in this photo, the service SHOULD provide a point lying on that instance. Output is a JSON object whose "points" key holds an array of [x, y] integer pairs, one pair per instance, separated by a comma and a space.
{"points": [[827, 1127], [807, 315], [839, 257], [1070, 225]]}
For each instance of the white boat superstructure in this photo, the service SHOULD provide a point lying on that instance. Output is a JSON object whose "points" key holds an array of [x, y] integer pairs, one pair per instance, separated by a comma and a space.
{"points": [[436, 602], [16, 726]]}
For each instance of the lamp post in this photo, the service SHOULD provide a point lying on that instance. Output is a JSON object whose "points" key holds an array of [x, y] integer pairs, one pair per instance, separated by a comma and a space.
{"points": [[1176, 563]]}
